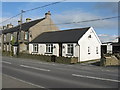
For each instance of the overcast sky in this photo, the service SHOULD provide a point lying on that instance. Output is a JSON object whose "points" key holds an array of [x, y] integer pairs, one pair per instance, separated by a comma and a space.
{"points": [[64, 12]]}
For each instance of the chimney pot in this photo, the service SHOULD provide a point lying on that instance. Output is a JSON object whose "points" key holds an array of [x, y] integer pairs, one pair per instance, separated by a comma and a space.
{"points": [[19, 22], [47, 15], [28, 19], [9, 25]]}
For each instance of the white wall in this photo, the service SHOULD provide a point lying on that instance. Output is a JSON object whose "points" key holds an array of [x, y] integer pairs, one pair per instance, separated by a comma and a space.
{"points": [[75, 51], [92, 42], [109, 48], [42, 50]]}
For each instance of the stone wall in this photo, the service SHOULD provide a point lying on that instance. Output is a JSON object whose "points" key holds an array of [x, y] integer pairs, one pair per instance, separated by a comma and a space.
{"points": [[110, 61]]}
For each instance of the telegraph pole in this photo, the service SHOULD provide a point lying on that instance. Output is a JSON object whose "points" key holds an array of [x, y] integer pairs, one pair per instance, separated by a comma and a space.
{"points": [[18, 33]]}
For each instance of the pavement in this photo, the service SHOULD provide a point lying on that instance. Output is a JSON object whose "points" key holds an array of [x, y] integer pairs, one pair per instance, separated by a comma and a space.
{"points": [[11, 82], [33, 73]]}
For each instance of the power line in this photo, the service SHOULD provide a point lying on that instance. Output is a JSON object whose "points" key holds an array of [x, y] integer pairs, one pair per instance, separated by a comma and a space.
{"points": [[45, 5], [92, 20], [10, 18], [32, 9]]}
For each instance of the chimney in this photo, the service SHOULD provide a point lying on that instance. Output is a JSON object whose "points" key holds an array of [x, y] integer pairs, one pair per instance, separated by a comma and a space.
{"points": [[48, 14], [9, 26], [28, 19], [19, 22]]}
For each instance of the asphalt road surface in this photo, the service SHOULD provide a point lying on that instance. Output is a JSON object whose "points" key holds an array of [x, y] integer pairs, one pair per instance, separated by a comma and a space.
{"points": [[53, 75]]}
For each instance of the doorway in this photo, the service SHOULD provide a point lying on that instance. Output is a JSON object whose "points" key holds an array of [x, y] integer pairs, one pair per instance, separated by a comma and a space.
{"points": [[60, 49]]}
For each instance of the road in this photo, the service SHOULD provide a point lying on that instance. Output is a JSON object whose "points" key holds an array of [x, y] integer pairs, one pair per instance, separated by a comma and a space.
{"points": [[53, 75]]}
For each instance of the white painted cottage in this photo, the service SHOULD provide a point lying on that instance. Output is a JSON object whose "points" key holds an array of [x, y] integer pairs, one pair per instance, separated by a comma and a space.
{"points": [[81, 42]]}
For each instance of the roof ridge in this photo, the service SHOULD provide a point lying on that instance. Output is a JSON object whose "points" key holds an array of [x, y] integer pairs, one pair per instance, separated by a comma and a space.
{"points": [[68, 30], [17, 26]]}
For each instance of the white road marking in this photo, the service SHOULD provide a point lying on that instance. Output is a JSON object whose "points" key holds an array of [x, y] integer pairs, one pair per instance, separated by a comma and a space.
{"points": [[95, 78], [34, 68], [7, 62], [25, 81]]}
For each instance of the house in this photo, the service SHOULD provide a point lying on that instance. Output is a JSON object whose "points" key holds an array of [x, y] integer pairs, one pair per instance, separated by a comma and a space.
{"points": [[24, 33], [111, 47], [0, 40], [82, 43]]}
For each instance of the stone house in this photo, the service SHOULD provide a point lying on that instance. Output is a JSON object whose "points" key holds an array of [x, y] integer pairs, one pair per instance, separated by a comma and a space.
{"points": [[24, 33]]}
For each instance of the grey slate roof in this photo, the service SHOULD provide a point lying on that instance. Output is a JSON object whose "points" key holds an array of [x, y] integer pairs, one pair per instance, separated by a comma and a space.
{"points": [[25, 26], [63, 36]]}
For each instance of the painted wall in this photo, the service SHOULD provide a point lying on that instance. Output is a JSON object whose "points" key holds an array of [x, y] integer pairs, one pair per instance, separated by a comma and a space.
{"points": [[109, 49], [92, 43], [75, 50], [42, 50]]}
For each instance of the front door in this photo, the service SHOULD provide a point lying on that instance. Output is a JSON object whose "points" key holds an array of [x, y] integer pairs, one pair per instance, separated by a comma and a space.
{"points": [[60, 49]]}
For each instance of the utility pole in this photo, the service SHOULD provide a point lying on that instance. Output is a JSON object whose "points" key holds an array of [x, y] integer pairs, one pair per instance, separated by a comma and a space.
{"points": [[18, 33]]}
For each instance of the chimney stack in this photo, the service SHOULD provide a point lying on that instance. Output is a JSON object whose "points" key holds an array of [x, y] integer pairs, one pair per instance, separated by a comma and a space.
{"points": [[48, 14], [28, 19], [19, 22], [9, 26]]}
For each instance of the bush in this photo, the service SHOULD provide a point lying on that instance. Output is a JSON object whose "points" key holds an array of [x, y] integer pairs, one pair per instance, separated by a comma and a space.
{"points": [[5, 53], [35, 56]]}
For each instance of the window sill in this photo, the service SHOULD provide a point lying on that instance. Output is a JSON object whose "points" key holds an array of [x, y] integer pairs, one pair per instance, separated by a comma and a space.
{"points": [[34, 52], [69, 54], [48, 53]]}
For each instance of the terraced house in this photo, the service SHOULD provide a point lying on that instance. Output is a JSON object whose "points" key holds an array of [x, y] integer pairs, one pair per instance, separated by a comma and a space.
{"points": [[26, 32]]}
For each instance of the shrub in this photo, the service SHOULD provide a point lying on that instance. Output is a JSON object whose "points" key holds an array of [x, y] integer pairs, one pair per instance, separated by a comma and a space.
{"points": [[47, 58]]}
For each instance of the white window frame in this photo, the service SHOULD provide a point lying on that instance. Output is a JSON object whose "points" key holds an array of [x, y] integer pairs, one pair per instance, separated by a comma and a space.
{"points": [[26, 35], [11, 37], [4, 37], [70, 49], [97, 50], [49, 48], [35, 48], [88, 50]]}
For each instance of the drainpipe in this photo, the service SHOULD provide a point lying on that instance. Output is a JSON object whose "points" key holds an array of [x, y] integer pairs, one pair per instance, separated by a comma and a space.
{"points": [[79, 53]]}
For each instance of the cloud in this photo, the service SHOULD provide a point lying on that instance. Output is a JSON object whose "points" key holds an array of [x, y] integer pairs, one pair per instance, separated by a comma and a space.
{"points": [[102, 35], [111, 7], [77, 16], [108, 38]]}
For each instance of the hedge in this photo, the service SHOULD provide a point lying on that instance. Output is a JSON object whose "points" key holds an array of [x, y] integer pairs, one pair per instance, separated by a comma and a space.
{"points": [[47, 58]]}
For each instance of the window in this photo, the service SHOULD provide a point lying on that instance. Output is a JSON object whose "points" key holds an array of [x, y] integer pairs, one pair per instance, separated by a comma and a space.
{"points": [[88, 50], [96, 50], [89, 36], [35, 47], [11, 37], [26, 35], [49, 48], [70, 49], [5, 38]]}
